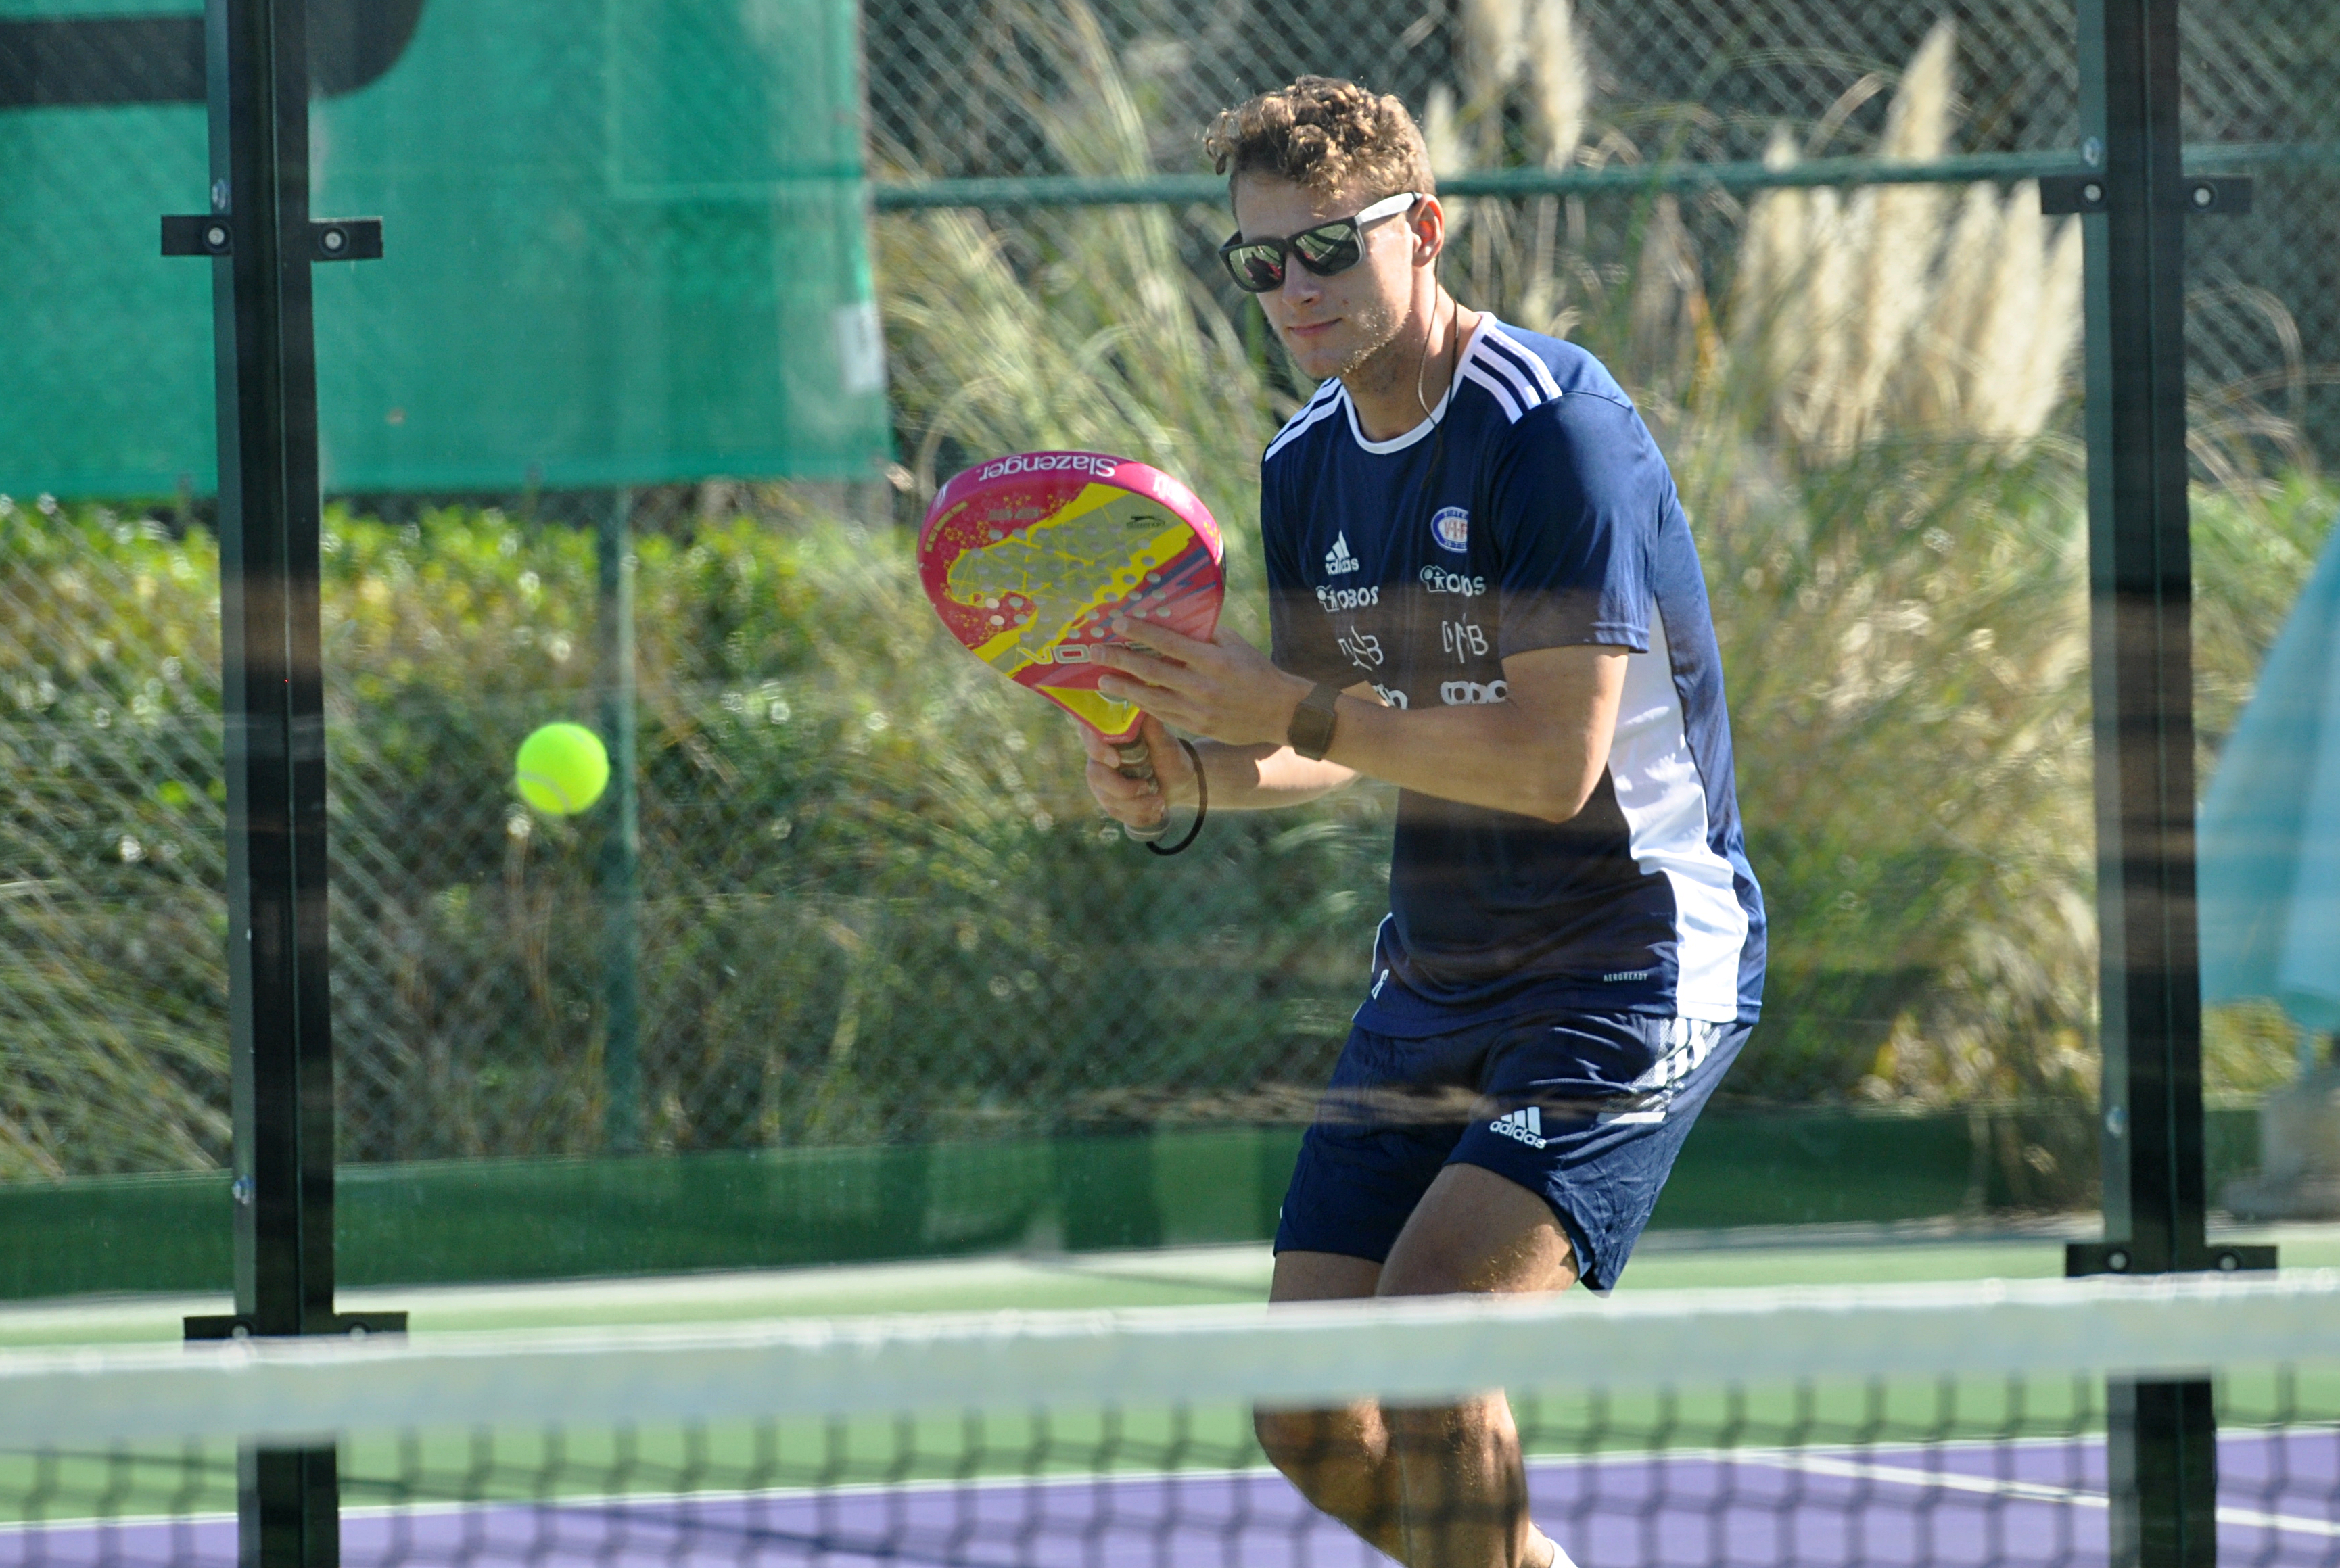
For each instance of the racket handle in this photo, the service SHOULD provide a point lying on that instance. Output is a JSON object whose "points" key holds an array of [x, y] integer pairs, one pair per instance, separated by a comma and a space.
{"points": [[1137, 763]]}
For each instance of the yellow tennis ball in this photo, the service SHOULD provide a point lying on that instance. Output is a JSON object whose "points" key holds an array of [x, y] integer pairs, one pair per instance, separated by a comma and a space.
{"points": [[562, 769]]}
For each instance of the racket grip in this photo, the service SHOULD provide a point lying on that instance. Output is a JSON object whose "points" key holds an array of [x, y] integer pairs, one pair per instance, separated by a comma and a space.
{"points": [[1137, 763]]}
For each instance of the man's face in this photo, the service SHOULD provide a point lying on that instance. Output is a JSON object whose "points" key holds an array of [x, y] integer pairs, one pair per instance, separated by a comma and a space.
{"points": [[1332, 325]]}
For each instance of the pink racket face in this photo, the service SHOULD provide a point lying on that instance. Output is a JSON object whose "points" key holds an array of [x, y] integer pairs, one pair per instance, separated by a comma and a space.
{"points": [[1028, 558]]}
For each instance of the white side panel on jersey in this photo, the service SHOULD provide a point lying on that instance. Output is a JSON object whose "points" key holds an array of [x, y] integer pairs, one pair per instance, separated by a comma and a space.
{"points": [[1663, 800]]}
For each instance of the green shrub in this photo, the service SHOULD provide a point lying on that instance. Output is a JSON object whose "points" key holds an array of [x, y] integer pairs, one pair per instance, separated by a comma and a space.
{"points": [[875, 900], [113, 935]]}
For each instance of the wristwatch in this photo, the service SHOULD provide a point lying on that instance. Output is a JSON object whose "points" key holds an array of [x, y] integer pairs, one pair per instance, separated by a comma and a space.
{"points": [[1311, 732]]}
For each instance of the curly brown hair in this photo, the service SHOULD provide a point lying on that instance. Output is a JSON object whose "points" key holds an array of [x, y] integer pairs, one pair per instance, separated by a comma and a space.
{"points": [[1323, 134]]}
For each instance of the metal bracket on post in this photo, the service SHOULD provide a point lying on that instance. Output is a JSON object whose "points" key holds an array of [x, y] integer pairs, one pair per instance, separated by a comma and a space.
{"points": [[2077, 195], [348, 1324], [2230, 194], [330, 238], [204, 234], [345, 240], [2082, 1258]]}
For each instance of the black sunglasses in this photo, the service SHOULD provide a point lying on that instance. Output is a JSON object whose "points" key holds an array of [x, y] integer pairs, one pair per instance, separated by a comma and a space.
{"points": [[1257, 265]]}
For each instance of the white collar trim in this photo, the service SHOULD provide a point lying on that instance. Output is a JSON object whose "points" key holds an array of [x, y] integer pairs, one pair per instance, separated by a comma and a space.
{"points": [[1437, 415]]}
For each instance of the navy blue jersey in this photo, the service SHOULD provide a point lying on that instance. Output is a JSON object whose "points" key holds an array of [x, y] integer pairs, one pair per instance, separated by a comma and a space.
{"points": [[1531, 510]]}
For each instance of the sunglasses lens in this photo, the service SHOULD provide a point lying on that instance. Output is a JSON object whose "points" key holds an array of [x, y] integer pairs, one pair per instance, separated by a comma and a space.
{"points": [[1330, 247], [1324, 250], [1257, 269]]}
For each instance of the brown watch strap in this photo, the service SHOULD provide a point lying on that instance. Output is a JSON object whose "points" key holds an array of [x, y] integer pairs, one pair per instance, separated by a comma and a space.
{"points": [[1310, 732]]}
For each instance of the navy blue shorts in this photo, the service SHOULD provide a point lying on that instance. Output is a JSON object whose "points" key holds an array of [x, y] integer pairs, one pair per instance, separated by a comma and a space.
{"points": [[1587, 1109]]}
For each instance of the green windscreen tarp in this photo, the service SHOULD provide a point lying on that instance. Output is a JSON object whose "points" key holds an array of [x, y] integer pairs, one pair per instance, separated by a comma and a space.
{"points": [[625, 244]]}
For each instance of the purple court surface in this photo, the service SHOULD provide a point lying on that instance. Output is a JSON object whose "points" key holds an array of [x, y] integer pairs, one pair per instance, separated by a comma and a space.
{"points": [[2021, 1503]]}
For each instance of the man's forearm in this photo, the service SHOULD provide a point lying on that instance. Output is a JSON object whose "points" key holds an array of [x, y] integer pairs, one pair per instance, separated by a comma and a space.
{"points": [[1263, 777], [1539, 752], [1541, 761], [1489, 756]]}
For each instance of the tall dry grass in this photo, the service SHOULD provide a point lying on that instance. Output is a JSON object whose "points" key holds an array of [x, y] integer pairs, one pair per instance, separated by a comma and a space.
{"points": [[1517, 57], [1082, 328], [1894, 309], [1846, 316]]}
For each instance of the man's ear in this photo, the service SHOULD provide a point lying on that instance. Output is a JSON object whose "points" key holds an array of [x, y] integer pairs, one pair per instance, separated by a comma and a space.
{"points": [[1428, 225]]}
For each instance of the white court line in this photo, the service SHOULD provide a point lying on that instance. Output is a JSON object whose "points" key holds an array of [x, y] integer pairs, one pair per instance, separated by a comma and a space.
{"points": [[588, 1502], [2022, 1491], [1783, 1459]]}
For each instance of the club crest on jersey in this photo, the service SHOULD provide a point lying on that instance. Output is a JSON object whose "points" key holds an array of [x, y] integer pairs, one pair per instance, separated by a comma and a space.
{"points": [[1450, 527], [1338, 561]]}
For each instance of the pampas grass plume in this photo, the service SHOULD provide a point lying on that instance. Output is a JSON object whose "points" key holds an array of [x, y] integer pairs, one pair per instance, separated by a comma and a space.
{"points": [[1557, 90], [1894, 309], [1443, 134]]}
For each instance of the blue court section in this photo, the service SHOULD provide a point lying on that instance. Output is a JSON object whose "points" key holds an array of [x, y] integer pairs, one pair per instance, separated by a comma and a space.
{"points": [[2014, 1502]]}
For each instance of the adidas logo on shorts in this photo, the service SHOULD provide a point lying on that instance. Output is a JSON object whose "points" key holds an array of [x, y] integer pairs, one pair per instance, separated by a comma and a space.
{"points": [[1524, 1126]]}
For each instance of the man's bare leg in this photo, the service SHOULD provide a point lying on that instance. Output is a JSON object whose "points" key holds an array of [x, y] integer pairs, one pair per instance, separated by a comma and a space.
{"points": [[1461, 1487], [1339, 1459], [1458, 1501]]}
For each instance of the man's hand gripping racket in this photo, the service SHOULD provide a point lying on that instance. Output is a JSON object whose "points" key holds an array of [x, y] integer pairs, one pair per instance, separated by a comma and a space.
{"points": [[1029, 558]]}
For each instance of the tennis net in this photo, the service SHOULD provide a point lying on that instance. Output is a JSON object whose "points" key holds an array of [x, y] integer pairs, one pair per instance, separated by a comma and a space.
{"points": [[1905, 1425]]}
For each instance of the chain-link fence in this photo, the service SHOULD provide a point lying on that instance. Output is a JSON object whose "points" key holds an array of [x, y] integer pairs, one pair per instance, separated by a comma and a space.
{"points": [[962, 90], [870, 900], [982, 90]]}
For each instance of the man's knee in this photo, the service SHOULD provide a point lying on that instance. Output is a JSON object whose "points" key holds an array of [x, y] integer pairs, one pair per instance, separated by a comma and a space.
{"points": [[1467, 1425], [1302, 1442], [1339, 1461]]}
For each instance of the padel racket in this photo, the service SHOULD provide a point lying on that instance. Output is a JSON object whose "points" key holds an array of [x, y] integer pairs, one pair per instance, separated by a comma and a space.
{"points": [[1028, 558]]}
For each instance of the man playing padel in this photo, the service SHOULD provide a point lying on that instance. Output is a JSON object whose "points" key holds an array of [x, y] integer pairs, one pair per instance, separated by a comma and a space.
{"points": [[1483, 590]]}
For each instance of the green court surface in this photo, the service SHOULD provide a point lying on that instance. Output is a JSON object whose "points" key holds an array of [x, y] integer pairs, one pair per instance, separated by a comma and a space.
{"points": [[1818, 1255]]}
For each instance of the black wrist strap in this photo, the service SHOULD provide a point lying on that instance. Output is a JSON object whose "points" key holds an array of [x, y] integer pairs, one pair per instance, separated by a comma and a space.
{"points": [[1202, 801]]}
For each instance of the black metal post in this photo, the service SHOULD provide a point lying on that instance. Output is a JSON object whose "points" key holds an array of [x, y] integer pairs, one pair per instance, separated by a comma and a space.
{"points": [[621, 849], [262, 241], [273, 695], [273, 686], [2163, 1434], [288, 1507], [2141, 580]]}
